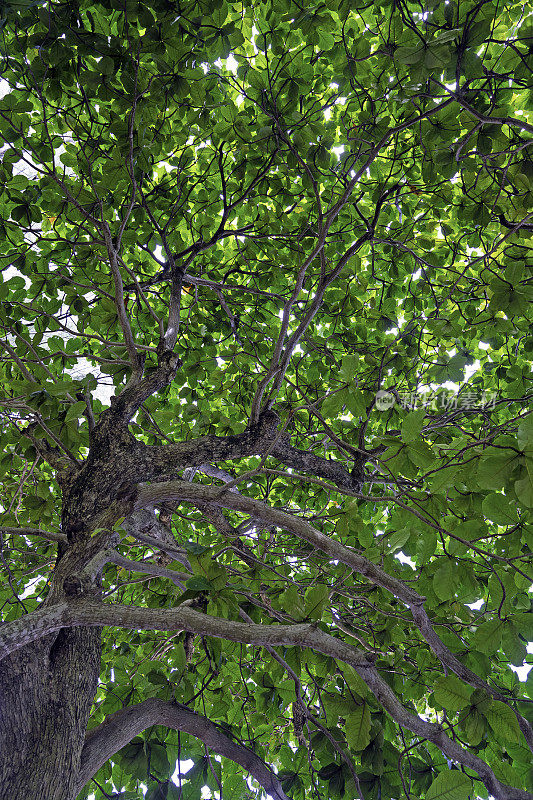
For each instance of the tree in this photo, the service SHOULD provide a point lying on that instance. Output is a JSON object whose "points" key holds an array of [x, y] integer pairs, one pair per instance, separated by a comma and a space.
{"points": [[266, 370]]}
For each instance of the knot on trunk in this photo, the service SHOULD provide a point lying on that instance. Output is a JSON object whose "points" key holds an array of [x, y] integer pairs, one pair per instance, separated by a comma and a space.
{"points": [[267, 427], [78, 585]]}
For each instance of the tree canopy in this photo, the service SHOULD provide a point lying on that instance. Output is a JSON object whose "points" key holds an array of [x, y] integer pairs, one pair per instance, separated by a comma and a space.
{"points": [[266, 353]]}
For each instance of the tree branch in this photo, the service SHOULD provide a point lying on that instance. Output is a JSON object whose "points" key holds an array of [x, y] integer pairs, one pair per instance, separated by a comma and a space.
{"points": [[133, 396], [118, 729], [165, 459], [51, 535], [119, 302], [435, 733], [144, 526], [81, 611], [155, 570], [174, 490]]}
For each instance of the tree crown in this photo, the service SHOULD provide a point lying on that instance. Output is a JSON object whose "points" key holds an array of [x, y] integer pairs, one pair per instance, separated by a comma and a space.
{"points": [[293, 243]]}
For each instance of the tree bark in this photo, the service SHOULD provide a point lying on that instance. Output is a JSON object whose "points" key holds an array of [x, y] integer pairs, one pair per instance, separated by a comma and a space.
{"points": [[46, 692], [48, 686]]}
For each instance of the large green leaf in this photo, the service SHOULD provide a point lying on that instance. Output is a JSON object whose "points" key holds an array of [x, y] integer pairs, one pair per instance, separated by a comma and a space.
{"points": [[503, 722], [451, 693], [450, 785], [500, 509], [358, 728], [488, 636]]}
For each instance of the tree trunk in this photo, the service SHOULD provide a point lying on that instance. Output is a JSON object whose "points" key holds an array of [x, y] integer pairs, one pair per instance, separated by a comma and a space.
{"points": [[47, 688], [46, 692]]}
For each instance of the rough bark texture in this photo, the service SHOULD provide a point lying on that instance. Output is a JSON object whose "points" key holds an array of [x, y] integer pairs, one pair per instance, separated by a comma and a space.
{"points": [[46, 692], [47, 687]]}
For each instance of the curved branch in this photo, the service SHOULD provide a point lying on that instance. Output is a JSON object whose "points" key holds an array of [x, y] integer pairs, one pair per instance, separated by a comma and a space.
{"points": [[435, 733], [148, 529], [306, 461], [128, 402], [182, 490], [154, 570], [33, 626], [80, 611], [119, 301], [165, 459], [512, 122], [118, 729]]}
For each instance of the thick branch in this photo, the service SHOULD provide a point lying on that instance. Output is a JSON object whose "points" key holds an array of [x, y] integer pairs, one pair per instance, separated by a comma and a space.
{"points": [[144, 526], [118, 729], [157, 493], [30, 628], [306, 461], [485, 119], [129, 401], [165, 459], [155, 570], [37, 624]]}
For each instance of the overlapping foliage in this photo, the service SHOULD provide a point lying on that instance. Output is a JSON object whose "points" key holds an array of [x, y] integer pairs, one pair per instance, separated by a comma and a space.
{"points": [[317, 204]]}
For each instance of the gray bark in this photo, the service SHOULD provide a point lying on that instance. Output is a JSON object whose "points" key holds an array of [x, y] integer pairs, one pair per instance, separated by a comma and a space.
{"points": [[46, 692]]}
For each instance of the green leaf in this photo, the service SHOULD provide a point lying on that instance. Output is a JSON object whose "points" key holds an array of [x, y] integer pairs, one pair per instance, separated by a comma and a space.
{"points": [[409, 55], [503, 722], [179, 658], [219, 15], [355, 682], [412, 425], [199, 584], [493, 471], [76, 411], [358, 725], [450, 785], [316, 601], [333, 405], [426, 546], [444, 581], [159, 763], [525, 432], [452, 694], [488, 636], [474, 724], [500, 509], [133, 759], [398, 540], [524, 487], [349, 367]]}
